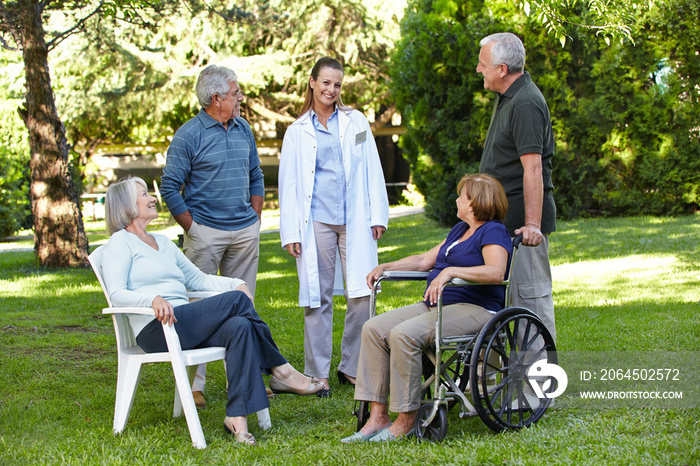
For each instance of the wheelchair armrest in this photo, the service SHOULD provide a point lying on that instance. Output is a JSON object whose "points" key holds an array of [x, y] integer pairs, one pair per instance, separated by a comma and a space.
{"points": [[405, 275], [146, 311], [460, 282]]}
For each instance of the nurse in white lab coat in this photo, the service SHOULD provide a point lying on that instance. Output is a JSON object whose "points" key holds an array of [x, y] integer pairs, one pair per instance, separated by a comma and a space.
{"points": [[333, 202]]}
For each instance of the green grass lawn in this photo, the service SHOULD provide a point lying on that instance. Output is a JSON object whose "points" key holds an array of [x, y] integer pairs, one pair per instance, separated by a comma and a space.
{"points": [[630, 284]]}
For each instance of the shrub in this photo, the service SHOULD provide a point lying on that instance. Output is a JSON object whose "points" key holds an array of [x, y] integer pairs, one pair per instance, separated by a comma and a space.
{"points": [[437, 90], [15, 209], [625, 116]]}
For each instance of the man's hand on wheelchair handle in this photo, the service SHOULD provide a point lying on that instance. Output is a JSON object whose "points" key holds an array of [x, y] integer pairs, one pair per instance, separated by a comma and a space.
{"points": [[532, 236]]}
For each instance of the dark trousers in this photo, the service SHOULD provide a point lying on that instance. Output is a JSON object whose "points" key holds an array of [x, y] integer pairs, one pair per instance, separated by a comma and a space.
{"points": [[229, 320]]}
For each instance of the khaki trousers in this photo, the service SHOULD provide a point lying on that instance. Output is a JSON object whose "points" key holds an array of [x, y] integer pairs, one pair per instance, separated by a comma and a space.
{"points": [[390, 367], [233, 253], [531, 283]]}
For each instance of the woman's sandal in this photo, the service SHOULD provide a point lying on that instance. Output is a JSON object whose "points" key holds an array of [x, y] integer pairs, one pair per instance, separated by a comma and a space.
{"points": [[245, 438]]}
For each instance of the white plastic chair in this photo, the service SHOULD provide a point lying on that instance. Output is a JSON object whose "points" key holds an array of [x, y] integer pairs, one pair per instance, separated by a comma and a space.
{"points": [[131, 357]]}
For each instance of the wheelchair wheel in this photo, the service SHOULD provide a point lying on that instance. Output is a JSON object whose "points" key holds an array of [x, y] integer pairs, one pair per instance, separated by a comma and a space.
{"points": [[436, 430], [508, 345], [362, 413]]}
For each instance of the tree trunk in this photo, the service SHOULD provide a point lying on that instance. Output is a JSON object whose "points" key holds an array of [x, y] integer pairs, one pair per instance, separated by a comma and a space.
{"points": [[59, 234]]}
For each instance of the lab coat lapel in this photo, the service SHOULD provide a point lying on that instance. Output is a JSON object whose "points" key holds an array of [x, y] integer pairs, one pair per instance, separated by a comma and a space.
{"points": [[344, 121], [308, 125]]}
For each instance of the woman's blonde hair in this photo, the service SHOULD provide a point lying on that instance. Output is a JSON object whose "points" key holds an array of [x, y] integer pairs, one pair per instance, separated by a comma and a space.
{"points": [[488, 199], [325, 62], [120, 203]]}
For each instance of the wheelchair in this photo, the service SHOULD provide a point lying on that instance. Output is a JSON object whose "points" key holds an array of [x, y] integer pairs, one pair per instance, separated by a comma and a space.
{"points": [[487, 374]]}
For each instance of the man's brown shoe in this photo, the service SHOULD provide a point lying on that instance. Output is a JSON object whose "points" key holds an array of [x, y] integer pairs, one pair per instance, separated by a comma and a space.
{"points": [[199, 400]]}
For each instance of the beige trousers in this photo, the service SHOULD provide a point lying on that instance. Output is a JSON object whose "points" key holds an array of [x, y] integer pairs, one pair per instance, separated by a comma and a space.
{"points": [[531, 283], [390, 366], [234, 253]]}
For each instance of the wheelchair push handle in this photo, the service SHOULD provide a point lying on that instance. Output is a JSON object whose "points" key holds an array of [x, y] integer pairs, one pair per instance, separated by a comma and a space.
{"points": [[517, 240]]}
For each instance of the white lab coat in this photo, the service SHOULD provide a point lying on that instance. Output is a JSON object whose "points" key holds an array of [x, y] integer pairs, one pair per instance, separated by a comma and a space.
{"points": [[367, 204]]}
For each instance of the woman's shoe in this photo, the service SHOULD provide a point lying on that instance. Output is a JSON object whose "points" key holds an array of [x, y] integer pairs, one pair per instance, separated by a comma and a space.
{"points": [[343, 379], [277, 386], [246, 438], [324, 392], [360, 437], [385, 435]]}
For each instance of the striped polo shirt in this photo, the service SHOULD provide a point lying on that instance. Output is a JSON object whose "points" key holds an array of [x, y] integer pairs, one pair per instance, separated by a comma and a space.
{"points": [[212, 171]]}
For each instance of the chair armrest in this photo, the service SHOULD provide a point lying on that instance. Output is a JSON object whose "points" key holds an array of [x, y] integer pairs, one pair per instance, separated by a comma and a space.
{"points": [[146, 311], [404, 275], [171, 337], [202, 294]]}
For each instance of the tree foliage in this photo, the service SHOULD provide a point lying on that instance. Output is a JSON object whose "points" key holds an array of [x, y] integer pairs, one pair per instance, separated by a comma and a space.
{"points": [[625, 116], [612, 20], [124, 71], [437, 90], [107, 76]]}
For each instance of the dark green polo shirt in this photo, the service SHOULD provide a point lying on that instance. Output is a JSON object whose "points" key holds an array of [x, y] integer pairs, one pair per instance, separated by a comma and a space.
{"points": [[520, 125]]}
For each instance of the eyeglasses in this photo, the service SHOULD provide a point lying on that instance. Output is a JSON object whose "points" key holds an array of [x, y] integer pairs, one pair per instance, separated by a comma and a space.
{"points": [[235, 94]]}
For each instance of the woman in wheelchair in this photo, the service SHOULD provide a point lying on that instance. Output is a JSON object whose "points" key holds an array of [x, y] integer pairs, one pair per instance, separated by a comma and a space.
{"points": [[478, 248], [141, 269]]}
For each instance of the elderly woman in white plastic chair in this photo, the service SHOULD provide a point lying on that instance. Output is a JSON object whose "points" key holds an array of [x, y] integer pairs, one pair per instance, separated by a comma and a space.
{"points": [[142, 269]]}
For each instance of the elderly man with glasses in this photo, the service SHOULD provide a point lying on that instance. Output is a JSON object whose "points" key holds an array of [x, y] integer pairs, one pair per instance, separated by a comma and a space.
{"points": [[213, 185]]}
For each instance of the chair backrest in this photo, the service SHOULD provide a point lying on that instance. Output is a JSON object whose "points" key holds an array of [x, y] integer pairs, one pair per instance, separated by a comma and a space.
{"points": [[122, 328], [95, 259]]}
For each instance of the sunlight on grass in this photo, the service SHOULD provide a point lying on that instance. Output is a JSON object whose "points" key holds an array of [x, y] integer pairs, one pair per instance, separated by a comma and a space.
{"points": [[277, 259], [17, 243], [638, 264], [270, 275], [628, 284], [630, 279]]}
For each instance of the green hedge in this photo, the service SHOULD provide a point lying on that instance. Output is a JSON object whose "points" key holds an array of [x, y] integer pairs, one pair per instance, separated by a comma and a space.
{"points": [[625, 116]]}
